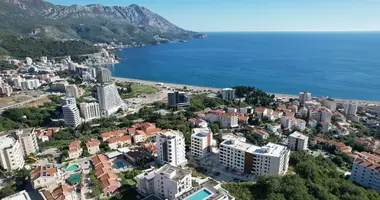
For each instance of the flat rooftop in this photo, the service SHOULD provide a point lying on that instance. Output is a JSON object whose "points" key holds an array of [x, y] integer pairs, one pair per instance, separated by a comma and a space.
{"points": [[179, 172], [201, 132], [6, 141], [270, 149], [171, 134], [298, 135]]}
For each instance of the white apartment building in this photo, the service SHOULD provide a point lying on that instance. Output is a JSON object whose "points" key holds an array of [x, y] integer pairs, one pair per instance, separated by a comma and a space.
{"points": [[304, 96], [228, 94], [28, 141], [350, 109], [330, 104], [11, 153], [6, 90], [247, 158], [229, 120], [30, 84], [28, 60], [103, 75], [312, 105], [298, 141], [201, 141], [23, 195], [170, 148], [17, 82], [326, 114], [71, 113], [288, 122], [72, 91], [109, 99], [168, 182], [89, 111], [366, 171]]}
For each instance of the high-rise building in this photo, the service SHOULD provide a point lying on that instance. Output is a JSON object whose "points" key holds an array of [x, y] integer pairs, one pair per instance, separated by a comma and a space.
{"points": [[330, 104], [28, 141], [70, 112], [247, 158], [365, 171], [228, 94], [11, 153], [17, 82], [109, 99], [23, 195], [68, 101], [298, 141], [304, 96], [89, 111], [201, 140], [103, 75], [178, 99], [350, 109], [170, 147], [72, 91]]}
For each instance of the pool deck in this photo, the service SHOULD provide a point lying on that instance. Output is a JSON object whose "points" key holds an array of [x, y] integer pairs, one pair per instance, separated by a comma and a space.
{"points": [[216, 194]]}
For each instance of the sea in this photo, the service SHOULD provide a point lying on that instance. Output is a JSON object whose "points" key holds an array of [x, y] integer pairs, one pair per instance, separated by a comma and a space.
{"points": [[344, 65]]}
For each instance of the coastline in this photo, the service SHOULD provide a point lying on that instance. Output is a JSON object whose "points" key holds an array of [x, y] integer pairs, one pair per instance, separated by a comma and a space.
{"points": [[211, 89]]}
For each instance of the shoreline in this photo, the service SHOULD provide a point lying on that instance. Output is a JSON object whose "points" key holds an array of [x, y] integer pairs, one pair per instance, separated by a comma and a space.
{"points": [[212, 89]]}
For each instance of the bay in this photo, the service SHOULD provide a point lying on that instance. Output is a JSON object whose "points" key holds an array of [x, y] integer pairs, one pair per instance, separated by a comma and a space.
{"points": [[337, 64]]}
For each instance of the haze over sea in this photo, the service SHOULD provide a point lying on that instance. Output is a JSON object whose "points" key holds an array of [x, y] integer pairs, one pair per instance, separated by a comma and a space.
{"points": [[342, 65]]}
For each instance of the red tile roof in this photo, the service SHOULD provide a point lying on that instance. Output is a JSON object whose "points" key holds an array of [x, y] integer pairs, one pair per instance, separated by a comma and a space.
{"points": [[113, 133], [92, 142]]}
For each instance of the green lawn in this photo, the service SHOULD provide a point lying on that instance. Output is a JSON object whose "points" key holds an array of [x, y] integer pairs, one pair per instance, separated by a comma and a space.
{"points": [[137, 89]]}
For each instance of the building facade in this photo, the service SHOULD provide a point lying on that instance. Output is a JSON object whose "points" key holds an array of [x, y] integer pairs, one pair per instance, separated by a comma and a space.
{"points": [[228, 94], [304, 96], [28, 140], [103, 75], [247, 158], [11, 153], [178, 99], [90, 111], [366, 171], [71, 115], [298, 141], [201, 140], [170, 147], [109, 99]]}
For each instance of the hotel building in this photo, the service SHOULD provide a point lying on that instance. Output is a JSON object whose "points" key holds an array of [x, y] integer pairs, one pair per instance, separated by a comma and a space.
{"points": [[297, 141], [170, 147], [201, 140]]}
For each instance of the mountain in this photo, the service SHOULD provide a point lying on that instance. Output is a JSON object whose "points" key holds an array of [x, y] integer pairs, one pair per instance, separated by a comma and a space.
{"points": [[95, 23]]}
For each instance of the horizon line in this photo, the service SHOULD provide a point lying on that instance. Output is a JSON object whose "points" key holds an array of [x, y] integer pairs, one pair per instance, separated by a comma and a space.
{"points": [[292, 31]]}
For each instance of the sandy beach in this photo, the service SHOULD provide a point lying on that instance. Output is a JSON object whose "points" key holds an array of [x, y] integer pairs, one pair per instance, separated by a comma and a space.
{"points": [[215, 90]]}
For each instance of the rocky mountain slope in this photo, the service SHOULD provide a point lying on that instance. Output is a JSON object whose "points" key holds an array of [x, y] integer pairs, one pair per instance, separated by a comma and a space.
{"points": [[95, 23]]}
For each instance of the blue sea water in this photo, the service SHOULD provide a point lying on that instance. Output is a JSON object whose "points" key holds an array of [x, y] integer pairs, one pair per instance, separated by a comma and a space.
{"points": [[339, 65]]}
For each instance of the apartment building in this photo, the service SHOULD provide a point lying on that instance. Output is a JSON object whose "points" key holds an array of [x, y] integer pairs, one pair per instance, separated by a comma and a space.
{"points": [[298, 141], [178, 99], [119, 141], [228, 94], [366, 171], [70, 112], [201, 140], [288, 122], [11, 153], [170, 147], [330, 104], [300, 124], [304, 97], [247, 158], [168, 182], [28, 140], [107, 135], [109, 99], [90, 111]]}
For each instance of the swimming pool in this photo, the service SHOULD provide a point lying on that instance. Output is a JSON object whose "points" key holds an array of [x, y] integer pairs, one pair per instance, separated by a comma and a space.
{"points": [[200, 195], [119, 164], [72, 168]]}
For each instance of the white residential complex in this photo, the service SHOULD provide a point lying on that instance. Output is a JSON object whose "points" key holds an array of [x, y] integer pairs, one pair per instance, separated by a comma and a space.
{"points": [[366, 171], [11, 153], [330, 104], [201, 140], [170, 148], [6, 90], [28, 141], [304, 96], [103, 75], [70, 112], [89, 111], [247, 158], [350, 109], [30, 84], [109, 99], [168, 182], [228, 94], [297, 141]]}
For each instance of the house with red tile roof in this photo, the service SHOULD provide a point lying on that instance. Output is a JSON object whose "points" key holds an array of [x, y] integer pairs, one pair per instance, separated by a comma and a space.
{"points": [[107, 135], [93, 146], [62, 192], [263, 134], [119, 141], [46, 177], [198, 122], [142, 131], [370, 142], [103, 172], [260, 111], [75, 149]]}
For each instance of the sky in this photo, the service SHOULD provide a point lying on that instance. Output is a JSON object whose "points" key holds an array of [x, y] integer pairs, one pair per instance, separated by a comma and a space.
{"points": [[259, 15]]}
